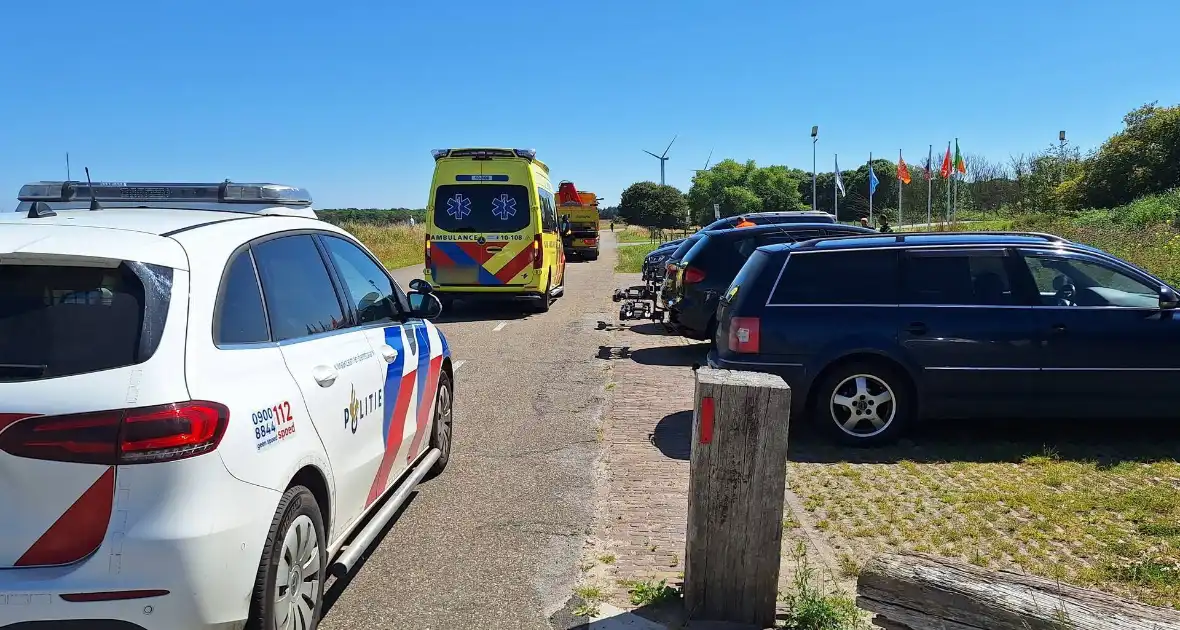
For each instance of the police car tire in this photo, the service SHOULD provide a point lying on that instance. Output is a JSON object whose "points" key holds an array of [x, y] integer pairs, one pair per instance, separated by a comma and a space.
{"points": [[444, 381], [296, 501]]}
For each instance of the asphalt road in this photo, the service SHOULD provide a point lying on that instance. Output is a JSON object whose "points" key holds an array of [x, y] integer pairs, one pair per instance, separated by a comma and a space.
{"points": [[495, 541]]}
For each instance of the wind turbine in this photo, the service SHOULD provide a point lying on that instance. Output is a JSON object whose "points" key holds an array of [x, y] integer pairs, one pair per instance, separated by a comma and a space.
{"points": [[662, 158], [707, 160]]}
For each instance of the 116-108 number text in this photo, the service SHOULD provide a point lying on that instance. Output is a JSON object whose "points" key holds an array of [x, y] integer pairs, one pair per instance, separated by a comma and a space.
{"points": [[274, 423]]}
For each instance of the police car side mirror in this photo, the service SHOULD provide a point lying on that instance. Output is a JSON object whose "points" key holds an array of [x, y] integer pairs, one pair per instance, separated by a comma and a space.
{"points": [[424, 305], [418, 285]]}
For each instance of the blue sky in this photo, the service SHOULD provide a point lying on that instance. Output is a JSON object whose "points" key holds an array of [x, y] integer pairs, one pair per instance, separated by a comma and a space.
{"points": [[347, 98]]}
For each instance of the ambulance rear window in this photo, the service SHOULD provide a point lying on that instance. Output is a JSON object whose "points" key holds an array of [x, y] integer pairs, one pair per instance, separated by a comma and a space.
{"points": [[481, 208]]}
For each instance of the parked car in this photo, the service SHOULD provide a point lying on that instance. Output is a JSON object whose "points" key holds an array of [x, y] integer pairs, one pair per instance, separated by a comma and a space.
{"points": [[201, 406], [874, 332], [782, 216], [655, 263], [694, 283]]}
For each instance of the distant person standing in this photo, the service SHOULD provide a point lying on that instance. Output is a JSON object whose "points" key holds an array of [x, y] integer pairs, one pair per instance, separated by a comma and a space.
{"points": [[413, 222], [612, 226], [864, 222], [885, 229]]}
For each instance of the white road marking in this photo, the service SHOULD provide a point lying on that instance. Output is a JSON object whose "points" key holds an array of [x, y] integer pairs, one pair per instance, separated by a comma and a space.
{"points": [[459, 363], [499, 326]]}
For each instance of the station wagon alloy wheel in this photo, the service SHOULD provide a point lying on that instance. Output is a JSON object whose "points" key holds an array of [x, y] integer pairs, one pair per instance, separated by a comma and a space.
{"points": [[863, 405], [297, 583]]}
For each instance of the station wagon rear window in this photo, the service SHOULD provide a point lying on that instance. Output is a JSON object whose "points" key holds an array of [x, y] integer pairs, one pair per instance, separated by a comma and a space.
{"points": [[482, 208], [60, 320]]}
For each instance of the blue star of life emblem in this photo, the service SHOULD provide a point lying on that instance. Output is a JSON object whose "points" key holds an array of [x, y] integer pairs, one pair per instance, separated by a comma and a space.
{"points": [[503, 207], [459, 206]]}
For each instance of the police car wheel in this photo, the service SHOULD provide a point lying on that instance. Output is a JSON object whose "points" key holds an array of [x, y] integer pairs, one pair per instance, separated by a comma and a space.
{"points": [[289, 588], [442, 433]]}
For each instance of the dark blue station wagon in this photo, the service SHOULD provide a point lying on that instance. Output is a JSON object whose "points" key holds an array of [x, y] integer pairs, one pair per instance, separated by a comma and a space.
{"points": [[875, 332]]}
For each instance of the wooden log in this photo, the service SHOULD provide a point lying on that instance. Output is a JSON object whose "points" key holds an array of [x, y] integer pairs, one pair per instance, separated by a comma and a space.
{"points": [[737, 480], [926, 592]]}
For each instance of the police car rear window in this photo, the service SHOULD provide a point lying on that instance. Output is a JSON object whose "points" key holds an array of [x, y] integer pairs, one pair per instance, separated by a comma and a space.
{"points": [[481, 208], [59, 320]]}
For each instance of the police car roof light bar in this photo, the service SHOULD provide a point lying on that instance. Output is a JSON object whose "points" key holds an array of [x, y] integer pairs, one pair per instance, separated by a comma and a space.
{"points": [[225, 192]]}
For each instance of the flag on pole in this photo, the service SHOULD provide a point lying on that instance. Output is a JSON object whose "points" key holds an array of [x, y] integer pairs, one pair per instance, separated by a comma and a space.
{"points": [[903, 171], [960, 165], [945, 171], [839, 179], [872, 180], [929, 168]]}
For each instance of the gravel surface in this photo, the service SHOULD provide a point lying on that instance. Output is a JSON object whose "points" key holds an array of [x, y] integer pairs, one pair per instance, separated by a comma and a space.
{"points": [[496, 540]]}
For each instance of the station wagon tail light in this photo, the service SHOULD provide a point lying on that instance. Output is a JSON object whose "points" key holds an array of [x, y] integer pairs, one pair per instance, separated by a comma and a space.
{"points": [[743, 335], [120, 437], [538, 256], [692, 275]]}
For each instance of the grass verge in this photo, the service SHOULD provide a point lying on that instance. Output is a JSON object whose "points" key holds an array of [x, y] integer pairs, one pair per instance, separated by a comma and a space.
{"points": [[631, 258], [632, 234], [1098, 518], [395, 245]]}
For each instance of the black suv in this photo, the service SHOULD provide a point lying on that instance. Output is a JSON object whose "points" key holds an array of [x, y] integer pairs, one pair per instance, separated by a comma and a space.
{"points": [[694, 282], [873, 332], [655, 263]]}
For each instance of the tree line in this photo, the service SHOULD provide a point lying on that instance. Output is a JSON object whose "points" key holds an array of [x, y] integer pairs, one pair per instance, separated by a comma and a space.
{"points": [[1141, 159]]}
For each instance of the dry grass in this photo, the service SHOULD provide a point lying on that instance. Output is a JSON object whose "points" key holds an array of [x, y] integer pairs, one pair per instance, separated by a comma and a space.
{"points": [[1090, 519], [396, 246], [631, 234]]}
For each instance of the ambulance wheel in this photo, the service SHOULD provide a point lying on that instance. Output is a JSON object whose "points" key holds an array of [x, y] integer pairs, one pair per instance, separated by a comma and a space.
{"points": [[546, 297]]}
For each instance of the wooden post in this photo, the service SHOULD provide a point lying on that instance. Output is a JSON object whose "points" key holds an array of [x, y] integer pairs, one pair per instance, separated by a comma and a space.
{"points": [[737, 479], [925, 592]]}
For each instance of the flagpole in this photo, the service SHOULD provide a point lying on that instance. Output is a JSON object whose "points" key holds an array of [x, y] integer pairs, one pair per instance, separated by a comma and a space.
{"points": [[948, 185], [955, 181], [899, 184], [870, 188], [929, 182], [836, 188]]}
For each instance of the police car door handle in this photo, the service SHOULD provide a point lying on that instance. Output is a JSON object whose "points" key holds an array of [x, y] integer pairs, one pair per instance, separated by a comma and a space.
{"points": [[388, 353], [324, 375]]}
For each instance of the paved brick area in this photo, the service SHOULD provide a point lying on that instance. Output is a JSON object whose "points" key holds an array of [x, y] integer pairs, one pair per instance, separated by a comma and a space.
{"points": [[647, 432]]}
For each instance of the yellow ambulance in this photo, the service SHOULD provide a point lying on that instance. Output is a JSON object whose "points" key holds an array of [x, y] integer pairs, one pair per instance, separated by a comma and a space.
{"points": [[492, 228]]}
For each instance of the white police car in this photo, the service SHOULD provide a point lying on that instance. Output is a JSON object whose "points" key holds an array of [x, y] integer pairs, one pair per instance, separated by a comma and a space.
{"points": [[199, 406]]}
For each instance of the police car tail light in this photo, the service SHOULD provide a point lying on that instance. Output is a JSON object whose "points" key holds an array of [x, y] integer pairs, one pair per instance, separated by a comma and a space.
{"points": [[120, 437], [744, 335], [538, 257], [692, 275]]}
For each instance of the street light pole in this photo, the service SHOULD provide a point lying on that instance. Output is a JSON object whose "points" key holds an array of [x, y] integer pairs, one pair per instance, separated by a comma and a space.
{"points": [[1061, 156], [814, 139]]}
